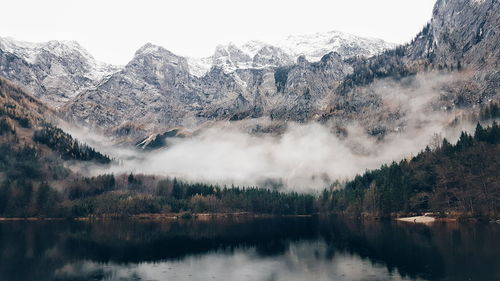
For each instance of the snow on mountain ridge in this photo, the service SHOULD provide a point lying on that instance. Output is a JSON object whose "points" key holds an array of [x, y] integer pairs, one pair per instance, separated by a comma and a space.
{"points": [[286, 51], [58, 71], [54, 71], [315, 46], [230, 57], [253, 47], [31, 52]]}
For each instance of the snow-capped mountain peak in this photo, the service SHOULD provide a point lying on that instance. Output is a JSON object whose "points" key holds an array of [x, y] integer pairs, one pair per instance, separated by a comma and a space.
{"points": [[69, 50], [314, 46], [259, 54], [62, 67]]}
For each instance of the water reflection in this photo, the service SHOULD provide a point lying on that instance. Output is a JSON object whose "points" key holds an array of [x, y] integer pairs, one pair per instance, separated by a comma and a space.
{"points": [[259, 249]]}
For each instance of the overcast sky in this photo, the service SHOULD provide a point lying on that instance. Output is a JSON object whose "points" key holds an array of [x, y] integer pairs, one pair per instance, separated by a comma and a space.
{"points": [[112, 30]]}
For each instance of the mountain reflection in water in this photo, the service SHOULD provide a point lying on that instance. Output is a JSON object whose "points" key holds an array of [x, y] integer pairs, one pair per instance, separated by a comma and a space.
{"points": [[248, 249]]}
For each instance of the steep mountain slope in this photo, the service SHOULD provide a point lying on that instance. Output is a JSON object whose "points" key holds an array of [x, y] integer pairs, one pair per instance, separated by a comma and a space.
{"points": [[464, 31], [53, 71], [155, 89], [459, 47], [461, 34], [26, 125]]}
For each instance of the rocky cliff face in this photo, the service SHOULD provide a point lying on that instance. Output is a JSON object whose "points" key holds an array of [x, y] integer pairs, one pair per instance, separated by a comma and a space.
{"points": [[460, 31], [55, 72], [157, 89], [149, 89], [455, 58], [463, 34]]}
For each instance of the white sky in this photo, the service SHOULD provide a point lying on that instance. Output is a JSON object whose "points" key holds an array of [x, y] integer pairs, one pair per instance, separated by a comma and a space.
{"points": [[112, 30]]}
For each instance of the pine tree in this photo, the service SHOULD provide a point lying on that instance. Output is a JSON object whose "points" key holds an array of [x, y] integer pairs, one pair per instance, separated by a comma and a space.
{"points": [[480, 133], [131, 179]]}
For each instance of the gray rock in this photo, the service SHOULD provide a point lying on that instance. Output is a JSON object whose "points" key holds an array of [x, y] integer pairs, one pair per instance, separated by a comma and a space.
{"points": [[54, 72]]}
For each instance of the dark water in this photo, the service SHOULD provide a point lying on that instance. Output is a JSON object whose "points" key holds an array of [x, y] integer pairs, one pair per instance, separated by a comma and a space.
{"points": [[258, 249]]}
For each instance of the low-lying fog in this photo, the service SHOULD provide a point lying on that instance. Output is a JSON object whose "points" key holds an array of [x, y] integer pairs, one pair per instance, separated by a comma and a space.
{"points": [[306, 156]]}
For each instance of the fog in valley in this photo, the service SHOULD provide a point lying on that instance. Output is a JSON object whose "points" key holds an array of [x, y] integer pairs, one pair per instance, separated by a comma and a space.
{"points": [[303, 157]]}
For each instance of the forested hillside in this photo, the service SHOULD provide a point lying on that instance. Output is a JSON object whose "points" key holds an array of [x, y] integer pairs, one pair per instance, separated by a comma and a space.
{"points": [[33, 154], [35, 179], [463, 178]]}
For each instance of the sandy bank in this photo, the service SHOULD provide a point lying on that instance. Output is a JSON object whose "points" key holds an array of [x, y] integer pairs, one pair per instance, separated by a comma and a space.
{"points": [[418, 219]]}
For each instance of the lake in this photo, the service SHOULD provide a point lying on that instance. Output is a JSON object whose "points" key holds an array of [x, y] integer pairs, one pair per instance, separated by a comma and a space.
{"points": [[248, 249]]}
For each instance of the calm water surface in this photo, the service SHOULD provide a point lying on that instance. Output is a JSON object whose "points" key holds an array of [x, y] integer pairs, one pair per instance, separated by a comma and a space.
{"points": [[251, 249]]}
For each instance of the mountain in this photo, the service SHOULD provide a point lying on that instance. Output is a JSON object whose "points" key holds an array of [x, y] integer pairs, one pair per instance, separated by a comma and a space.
{"points": [[54, 71], [451, 67], [155, 90], [258, 54], [455, 66], [458, 48], [158, 89], [460, 31], [242, 82]]}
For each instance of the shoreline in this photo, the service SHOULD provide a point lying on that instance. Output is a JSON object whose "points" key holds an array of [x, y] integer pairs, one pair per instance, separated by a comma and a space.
{"points": [[427, 218], [159, 217]]}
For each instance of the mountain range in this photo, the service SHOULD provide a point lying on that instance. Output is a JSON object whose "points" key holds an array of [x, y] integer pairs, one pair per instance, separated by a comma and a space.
{"points": [[170, 90], [327, 77], [258, 54]]}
